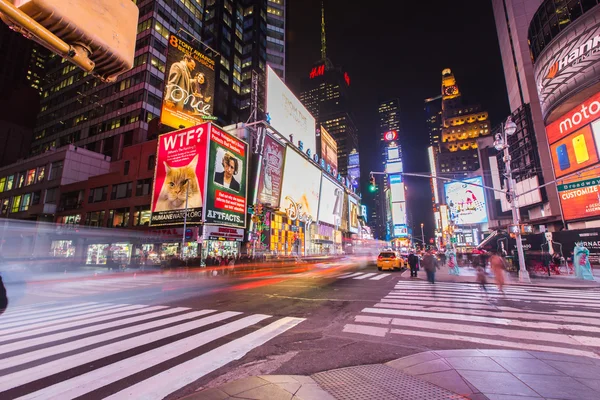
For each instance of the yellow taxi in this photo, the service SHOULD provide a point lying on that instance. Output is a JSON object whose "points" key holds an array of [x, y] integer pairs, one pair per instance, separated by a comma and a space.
{"points": [[389, 260]]}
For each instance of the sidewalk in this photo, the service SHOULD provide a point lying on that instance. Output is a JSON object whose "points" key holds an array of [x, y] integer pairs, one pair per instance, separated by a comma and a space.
{"points": [[447, 374], [467, 275]]}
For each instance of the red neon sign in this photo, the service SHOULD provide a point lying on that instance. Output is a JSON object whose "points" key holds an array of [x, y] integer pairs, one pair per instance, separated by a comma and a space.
{"points": [[317, 71], [391, 135], [347, 78]]}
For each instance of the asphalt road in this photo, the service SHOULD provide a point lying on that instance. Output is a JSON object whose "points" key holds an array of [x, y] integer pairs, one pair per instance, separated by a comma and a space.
{"points": [[314, 318]]}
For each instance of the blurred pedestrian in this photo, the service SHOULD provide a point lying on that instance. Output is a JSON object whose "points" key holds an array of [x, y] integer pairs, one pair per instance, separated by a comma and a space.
{"points": [[481, 278], [430, 264], [497, 264], [3, 297], [413, 262]]}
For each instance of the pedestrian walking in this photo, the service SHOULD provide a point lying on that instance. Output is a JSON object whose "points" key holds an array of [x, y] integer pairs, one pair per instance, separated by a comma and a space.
{"points": [[481, 278], [430, 264], [413, 263], [3, 297], [497, 264]]}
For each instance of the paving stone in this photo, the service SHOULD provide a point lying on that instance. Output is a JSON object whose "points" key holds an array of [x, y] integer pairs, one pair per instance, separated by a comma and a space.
{"points": [[526, 366], [270, 392], [428, 367], [208, 394], [504, 397], [591, 383], [242, 385], [312, 391], [543, 355], [289, 386], [303, 378], [459, 353], [507, 353], [450, 380], [561, 387], [278, 378], [411, 360], [576, 370], [475, 363], [497, 383]]}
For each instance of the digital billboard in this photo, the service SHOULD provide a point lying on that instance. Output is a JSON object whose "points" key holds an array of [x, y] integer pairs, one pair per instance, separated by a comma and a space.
{"points": [[288, 115], [574, 152], [397, 188], [353, 213], [331, 202], [179, 174], [399, 213], [328, 148], [400, 231], [390, 135], [301, 187], [226, 180], [580, 196], [189, 85], [394, 167], [466, 202], [270, 172], [393, 153]]}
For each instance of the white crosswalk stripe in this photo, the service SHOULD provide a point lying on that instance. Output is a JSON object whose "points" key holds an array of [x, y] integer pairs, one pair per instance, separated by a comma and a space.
{"points": [[63, 290], [371, 276], [134, 339], [529, 318]]}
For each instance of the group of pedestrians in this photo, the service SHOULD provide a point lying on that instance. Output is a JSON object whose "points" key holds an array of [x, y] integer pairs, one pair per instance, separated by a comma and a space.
{"points": [[430, 263]]}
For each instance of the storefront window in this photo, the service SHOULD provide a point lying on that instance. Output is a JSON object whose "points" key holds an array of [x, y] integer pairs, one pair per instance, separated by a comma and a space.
{"points": [[74, 219], [118, 218], [216, 248], [62, 248], [120, 253], [97, 254], [30, 179], [25, 202], [141, 216]]}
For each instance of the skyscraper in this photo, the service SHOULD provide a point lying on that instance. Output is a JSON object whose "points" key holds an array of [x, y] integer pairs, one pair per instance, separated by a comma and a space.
{"points": [[79, 109], [433, 114], [326, 94], [512, 23], [389, 122]]}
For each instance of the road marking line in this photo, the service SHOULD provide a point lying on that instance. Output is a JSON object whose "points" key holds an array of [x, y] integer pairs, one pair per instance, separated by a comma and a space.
{"points": [[167, 382], [31, 328], [25, 343], [345, 275], [351, 275], [32, 374], [365, 276], [365, 330], [460, 317], [49, 316], [91, 340], [45, 311], [378, 277], [373, 320]]}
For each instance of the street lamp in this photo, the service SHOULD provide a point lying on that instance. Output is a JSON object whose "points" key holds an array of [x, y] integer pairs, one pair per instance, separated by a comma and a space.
{"points": [[422, 236], [501, 144]]}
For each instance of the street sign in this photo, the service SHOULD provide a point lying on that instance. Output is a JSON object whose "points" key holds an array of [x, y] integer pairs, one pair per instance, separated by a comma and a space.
{"points": [[579, 184]]}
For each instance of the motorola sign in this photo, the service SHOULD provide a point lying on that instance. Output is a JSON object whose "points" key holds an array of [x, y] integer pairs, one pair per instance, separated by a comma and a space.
{"points": [[566, 71]]}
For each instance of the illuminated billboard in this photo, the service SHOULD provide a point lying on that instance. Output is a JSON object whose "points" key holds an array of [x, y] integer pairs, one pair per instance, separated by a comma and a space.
{"points": [[466, 202], [353, 213], [399, 213], [580, 195], [574, 152], [301, 187], [288, 115], [400, 231], [397, 188], [433, 170], [226, 180], [394, 167], [271, 172], [189, 85], [328, 148], [390, 135], [331, 202], [393, 153], [180, 175]]}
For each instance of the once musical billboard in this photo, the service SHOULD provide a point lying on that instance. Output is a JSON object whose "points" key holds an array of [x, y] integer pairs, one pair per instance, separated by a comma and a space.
{"points": [[189, 85]]}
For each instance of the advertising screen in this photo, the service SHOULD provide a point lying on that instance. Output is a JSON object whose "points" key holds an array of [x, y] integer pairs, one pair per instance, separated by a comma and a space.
{"points": [[328, 149], [287, 113], [466, 202], [353, 159], [301, 187], [580, 196], [354, 175], [574, 152], [331, 202], [226, 180], [189, 85], [353, 213], [271, 172], [179, 173], [393, 153], [394, 167], [400, 231], [399, 213], [397, 188]]}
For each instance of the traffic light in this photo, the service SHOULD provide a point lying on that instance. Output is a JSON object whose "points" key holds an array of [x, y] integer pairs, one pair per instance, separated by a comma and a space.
{"points": [[372, 184], [259, 209], [98, 36]]}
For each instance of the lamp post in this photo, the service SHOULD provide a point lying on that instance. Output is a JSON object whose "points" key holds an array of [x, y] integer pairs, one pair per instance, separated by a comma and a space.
{"points": [[187, 192], [422, 236], [501, 144]]}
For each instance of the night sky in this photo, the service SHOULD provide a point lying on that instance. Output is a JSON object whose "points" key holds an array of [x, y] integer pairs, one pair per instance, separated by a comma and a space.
{"points": [[394, 48]]}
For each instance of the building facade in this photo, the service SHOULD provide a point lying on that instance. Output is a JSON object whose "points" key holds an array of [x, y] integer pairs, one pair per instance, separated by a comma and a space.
{"points": [[433, 118]]}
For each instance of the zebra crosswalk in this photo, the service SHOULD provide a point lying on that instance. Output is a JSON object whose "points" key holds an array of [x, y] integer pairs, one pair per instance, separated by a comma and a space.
{"points": [[372, 276], [64, 352], [89, 287], [545, 319]]}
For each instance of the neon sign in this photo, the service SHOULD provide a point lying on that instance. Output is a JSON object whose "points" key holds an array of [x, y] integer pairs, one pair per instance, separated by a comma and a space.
{"points": [[317, 71], [391, 135], [347, 78]]}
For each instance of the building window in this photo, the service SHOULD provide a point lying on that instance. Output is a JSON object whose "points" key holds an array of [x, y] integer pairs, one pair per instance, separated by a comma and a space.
{"points": [[21, 179], [41, 174], [2, 184], [51, 195], [16, 202], [126, 168], [98, 194], [151, 162], [143, 187], [56, 170], [95, 218], [25, 202], [30, 179], [4, 206], [121, 191], [35, 198], [142, 216], [118, 218]]}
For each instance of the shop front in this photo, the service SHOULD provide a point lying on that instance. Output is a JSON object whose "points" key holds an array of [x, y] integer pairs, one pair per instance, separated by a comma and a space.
{"points": [[110, 254], [159, 246], [287, 236], [221, 242], [326, 240]]}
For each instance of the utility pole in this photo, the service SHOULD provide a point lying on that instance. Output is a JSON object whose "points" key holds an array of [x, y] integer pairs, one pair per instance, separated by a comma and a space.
{"points": [[187, 191], [422, 236]]}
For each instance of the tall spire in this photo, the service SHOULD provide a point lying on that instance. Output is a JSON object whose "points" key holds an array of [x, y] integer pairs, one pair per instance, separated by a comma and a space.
{"points": [[323, 46]]}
